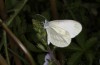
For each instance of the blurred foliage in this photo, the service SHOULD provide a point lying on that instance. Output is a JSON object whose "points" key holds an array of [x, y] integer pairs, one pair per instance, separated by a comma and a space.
{"points": [[22, 20]]}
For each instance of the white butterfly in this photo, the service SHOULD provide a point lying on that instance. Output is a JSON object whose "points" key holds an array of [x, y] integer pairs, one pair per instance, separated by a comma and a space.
{"points": [[60, 32]]}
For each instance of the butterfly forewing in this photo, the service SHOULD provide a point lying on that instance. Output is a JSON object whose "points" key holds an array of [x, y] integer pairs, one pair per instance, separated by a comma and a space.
{"points": [[71, 26]]}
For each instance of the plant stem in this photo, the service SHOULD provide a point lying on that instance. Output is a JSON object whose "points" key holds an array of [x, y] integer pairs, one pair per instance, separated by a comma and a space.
{"points": [[69, 10], [3, 10], [5, 45], [2, 60], [54, 9], [17, 9], [53, 56], [18, 42]]}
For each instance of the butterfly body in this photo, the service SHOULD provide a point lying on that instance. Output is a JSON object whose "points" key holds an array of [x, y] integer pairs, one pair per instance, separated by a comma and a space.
{"points": [[60, 32]]}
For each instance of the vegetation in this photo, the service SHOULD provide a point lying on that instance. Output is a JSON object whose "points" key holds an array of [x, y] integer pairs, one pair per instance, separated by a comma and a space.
{"points": [[23, 38]]}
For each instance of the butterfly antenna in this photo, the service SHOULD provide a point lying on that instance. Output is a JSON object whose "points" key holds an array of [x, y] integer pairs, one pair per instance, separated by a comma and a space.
{"points": [[41, 16]]}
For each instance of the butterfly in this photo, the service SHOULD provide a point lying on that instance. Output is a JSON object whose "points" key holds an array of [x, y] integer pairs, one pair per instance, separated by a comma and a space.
{"points": [[60, 32]]}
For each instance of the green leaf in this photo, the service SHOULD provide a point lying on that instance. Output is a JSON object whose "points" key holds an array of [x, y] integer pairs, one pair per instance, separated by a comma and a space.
{"points": [[74, 47], [81, 39], [19, 56], [51, 63], [41, 47], [41, 59], [46, 14], [75, 58], [29, 45], [17, 9], [40, 32], [91, 42], [10, 4], [90, 57]]}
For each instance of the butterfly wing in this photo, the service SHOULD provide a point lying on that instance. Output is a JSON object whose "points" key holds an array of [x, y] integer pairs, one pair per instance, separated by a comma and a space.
{"points": [[58, 36], [71, 26]]}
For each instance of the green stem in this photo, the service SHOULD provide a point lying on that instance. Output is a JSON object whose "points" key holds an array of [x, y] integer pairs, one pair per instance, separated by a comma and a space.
{"points": [[69, 10], [17, 9], [73, 16], [53, 56], [5, 45], [18, 42]]}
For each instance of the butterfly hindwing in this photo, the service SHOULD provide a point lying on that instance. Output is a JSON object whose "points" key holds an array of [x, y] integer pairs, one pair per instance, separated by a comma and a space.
{"points": [[58, 36]]}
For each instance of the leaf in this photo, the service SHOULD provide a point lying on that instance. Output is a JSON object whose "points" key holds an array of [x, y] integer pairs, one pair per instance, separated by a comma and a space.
{"points": [[41, 47], [90, 57], [90, 43], [98, 1], [81, 39], [19, 56], [17, 9], [74, 47], [11, 2], [75, 58], [40, 58], [40, 32], [46, 14], [29, 45]]}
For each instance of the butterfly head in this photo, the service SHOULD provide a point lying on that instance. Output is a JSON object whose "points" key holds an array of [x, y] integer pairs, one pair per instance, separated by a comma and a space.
{"points": [[46, 24]]}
